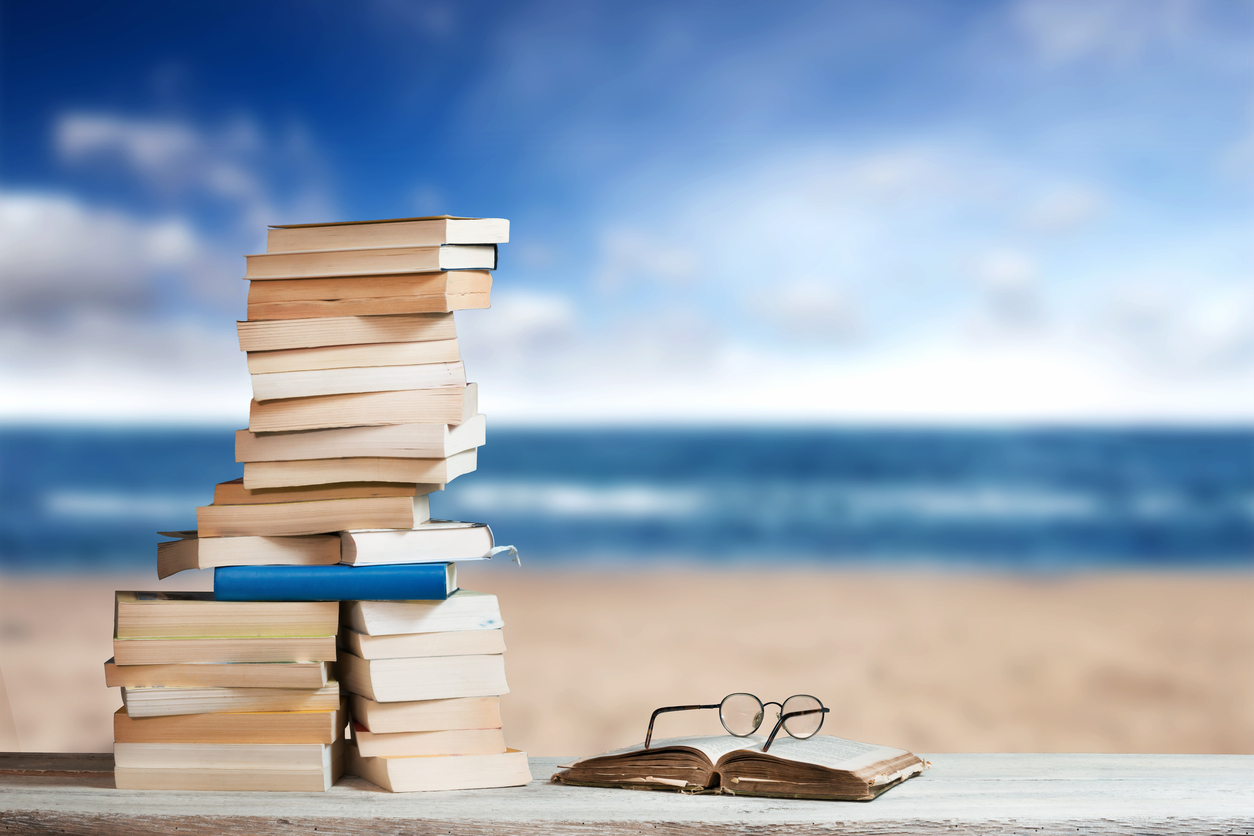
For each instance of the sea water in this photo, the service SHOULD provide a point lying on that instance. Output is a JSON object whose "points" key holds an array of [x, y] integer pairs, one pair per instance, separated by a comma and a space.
{"points": [[77, 499]]}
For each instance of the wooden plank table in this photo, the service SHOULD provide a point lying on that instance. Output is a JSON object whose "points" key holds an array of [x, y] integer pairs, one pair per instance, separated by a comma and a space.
{"points": [[978, 794]]}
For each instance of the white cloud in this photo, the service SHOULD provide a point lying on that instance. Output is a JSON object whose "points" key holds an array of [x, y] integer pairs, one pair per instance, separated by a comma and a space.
{"points": [[1118, 31], [59, 254], [1176, 331], [236, 163], [634, 255], [101, 367], [1066, 209], [811, 308]]}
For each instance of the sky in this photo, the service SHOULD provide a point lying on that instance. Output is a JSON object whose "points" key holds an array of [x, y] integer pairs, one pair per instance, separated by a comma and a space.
{"points": [[1027, 212]]}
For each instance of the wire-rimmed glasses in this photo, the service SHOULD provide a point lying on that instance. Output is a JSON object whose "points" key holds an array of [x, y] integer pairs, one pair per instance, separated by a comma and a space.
{"points": [[801, 715]]}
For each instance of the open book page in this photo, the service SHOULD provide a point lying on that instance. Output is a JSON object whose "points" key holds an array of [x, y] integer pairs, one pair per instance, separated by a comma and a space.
{"points": [[832, 752], [713, 747]]}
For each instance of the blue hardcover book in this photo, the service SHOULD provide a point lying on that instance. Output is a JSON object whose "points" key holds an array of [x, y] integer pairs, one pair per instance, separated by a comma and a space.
{"points": [[393, 582]]}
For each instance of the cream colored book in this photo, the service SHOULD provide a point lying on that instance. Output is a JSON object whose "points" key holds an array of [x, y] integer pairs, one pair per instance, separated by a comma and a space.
{"points": [[190, 552], [432, 541], [412, 293], [161, 701], [197, 614], [426, 715], [427, 678], [234, 492], [257, 727], [228, 767], [463, 610], [283, 334], [445, 405], [372, 261], [313, 517], [442, 742], [228, 780], [353, 356], [411, 645], [319, 382], [246, 675], [418, 441], [452, 772], [431, 231], [357, 469], [223, 651]]}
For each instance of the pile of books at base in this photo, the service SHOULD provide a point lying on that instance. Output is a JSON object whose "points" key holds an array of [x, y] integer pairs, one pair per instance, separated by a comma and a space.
{"points": [[360, 410], [224, 695], [426, 679]]}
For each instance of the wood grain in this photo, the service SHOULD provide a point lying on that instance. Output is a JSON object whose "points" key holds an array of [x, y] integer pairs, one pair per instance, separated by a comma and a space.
{"points": [[962, 793]]}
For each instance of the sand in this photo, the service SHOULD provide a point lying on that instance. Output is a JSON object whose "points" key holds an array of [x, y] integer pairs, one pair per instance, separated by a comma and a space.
{"points": [[928, 662]]}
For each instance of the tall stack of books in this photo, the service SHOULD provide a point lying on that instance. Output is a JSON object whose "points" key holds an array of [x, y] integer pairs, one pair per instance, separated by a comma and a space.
{"points": [[360, 410]]}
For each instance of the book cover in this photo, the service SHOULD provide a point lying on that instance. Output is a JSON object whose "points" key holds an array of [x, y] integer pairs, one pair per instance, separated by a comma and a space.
{"points": [[399, 582]]}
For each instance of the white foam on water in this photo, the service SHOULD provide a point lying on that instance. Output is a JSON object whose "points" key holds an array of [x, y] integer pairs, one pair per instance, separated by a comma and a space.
{"points": [[118, 505]]}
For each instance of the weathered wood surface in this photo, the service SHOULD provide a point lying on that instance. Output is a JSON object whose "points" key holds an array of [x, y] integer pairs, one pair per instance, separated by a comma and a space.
{"points": [[976, 794]]}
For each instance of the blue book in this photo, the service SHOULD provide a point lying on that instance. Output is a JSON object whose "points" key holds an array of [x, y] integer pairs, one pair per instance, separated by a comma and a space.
{"points": [[393, 582]]}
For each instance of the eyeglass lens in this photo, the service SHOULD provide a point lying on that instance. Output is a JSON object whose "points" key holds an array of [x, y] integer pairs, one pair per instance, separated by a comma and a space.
{"points": [[804, 725], [741, 714]]}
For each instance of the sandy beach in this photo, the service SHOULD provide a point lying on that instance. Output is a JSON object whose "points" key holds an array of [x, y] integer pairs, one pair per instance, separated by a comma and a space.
{"points": [[928, 662]]}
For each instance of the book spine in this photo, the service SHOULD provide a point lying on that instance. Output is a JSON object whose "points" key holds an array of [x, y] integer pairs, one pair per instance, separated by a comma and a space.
{"points": [[409, 582]]}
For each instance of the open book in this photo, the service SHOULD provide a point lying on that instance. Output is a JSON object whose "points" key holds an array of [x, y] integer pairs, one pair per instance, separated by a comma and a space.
{"points": [[820, 767]]}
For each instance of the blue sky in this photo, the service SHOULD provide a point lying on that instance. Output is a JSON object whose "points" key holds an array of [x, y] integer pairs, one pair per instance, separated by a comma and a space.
{"points": [[1033, 211]]}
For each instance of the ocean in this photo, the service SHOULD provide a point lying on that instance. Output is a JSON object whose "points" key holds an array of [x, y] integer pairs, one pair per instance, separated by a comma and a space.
{"points": [[81, 500]]}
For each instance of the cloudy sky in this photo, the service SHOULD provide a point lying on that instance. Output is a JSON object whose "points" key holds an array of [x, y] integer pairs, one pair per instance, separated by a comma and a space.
{"points": [[916, 212]]}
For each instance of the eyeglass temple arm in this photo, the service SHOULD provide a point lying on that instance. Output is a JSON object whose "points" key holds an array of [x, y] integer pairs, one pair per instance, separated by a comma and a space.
{"points": [[779, 724], [649, 735]]}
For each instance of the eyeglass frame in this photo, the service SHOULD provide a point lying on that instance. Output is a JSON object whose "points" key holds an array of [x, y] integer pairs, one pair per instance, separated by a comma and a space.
{"points": [[822, 711]]}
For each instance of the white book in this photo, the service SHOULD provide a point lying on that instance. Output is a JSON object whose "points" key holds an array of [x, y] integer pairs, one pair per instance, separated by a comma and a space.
{"points": [[315, 382], [417, 441], [463, 610], [452, 772], [428, 678], [411, 645], [222, 755], [430, 542]]}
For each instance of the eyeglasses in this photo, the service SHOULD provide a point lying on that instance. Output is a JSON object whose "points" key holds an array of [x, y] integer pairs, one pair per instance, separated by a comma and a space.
{"points": [[800, 715]]}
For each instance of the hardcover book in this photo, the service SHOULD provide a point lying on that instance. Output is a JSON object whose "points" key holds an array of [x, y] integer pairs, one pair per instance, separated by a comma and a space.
{"points": [[820, 767], [410, 581]]}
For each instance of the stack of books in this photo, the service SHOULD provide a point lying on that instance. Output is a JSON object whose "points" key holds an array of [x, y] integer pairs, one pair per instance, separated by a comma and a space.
{"points": [[225, 695], [426, 679], [360, 410]]}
